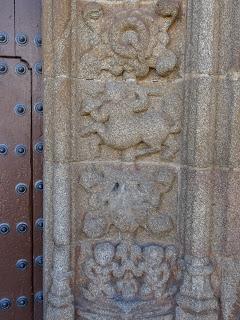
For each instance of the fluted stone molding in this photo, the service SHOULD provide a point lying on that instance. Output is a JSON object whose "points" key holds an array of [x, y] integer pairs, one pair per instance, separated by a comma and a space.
{"points": [[196, 299], [57, 203]]}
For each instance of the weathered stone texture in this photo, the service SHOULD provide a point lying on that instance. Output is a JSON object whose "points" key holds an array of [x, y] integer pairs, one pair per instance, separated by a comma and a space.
{"points": [[142, 160]]}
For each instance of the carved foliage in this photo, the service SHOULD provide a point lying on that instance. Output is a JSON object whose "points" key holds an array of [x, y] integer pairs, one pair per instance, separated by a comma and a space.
{"points": [[127, 42]]}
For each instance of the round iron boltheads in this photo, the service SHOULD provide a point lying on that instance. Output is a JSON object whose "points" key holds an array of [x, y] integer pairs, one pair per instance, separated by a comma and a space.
{"points": [[39, 185], [38, 107], [38, 40], [21, 188], [5, 304], [21, 39], [20, 69], [38, 297], [39, 261], [3, 149], [3, 37], [20, 150], [39, 147], [4, 228], [22, 264], [22, 302], [3, 68], [38, 68], [22, 227], [20, 109], [39, 224]]}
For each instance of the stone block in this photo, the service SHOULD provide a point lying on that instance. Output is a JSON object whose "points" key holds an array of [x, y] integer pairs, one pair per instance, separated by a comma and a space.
{"points": [[58, 119], [196, 210], [229, 287], [227, 56], [227, 136], [57, 30]]}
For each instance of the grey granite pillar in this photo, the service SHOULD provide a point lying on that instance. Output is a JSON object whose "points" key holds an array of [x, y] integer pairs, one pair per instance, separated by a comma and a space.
{"points": [[196, 298]]}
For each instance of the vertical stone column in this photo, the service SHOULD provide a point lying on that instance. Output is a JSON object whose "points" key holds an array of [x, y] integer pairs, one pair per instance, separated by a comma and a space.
{"points": [[57, 199], [196, 299]]}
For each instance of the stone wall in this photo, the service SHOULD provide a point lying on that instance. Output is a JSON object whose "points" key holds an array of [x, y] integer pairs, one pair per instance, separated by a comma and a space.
{"points": [[142, 159]]}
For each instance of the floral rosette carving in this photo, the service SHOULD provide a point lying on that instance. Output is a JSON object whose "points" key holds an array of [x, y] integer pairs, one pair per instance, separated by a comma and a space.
{"points": [[130, 43]]}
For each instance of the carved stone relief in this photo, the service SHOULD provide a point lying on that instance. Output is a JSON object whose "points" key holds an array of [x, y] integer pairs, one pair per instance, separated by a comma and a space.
{"points": [[127, 121], [140, 199], [125, 280], [124, 40]]}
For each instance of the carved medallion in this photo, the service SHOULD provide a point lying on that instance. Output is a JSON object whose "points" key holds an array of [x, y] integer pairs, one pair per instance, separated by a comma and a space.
{"points": [[126, 43]]}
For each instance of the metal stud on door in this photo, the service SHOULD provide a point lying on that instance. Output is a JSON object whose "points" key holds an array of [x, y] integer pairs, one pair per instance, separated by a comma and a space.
{"points": [[15, 189]]}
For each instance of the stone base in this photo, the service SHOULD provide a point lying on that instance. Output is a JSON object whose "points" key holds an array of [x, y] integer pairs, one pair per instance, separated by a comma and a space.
{"points": [[183, 315]]}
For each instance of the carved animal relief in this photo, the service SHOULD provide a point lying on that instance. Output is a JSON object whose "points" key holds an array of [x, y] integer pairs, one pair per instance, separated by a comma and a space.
{"points": [[126, 43], [132, 120]]}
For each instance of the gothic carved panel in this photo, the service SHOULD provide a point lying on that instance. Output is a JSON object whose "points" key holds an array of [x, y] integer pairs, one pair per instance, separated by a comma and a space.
{"points": [[126, 40]]}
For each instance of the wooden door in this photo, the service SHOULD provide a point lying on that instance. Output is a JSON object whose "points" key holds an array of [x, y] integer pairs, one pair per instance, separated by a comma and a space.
{"points": [[21, 148]]}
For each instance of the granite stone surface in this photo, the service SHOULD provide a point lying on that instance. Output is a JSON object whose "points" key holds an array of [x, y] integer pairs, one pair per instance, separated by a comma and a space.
{"points": [[142, 176]]}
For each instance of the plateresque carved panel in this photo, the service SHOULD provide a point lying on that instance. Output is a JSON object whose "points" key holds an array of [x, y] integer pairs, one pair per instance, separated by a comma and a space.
{"points": [[123, 39], [126, 121], [142, 164]]}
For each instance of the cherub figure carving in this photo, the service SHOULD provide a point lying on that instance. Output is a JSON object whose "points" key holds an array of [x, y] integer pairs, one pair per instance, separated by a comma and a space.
{"points": [[123, 119], [156, 273], [98, 271], [126, 269], [127, 280]]}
